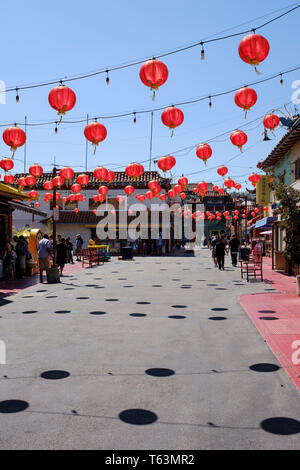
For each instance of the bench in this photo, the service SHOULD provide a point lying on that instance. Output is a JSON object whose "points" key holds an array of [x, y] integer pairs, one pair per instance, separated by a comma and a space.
{"points": [[90, 257], [253, 266]]}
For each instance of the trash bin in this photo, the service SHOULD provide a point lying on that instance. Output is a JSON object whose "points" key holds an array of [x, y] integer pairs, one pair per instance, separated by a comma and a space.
{"points": [[127, 252]]}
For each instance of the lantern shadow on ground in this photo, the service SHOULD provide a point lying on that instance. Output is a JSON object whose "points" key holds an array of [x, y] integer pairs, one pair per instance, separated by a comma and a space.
{"points": [[177, 317], [179, 306], [138, 417], [82, 298], [13, 406], [143, 303], [112, 300], [266, 311], [62, 311], [97, 313], [27, 312], [281, 426], [159, 372], [55, 374], [268, 318], [138, 314], [218, 318], [219, 309], [264, 367]]}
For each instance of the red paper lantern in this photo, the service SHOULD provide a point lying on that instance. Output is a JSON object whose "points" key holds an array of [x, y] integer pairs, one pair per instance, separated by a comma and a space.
{"points": [[8, 178], [14, 137], [238, 138], [256, 210], [221, 191], [48, 197], [37, 204], [245, 98], [171, 193], [58, 181], [254, 178], [83, 179], [149, 195], [254, 49], [153, 184], [215, 188], [253, 214], [229, 183], [163, 197], [33, 194], [134, 170], [183, 181], [178, 188], [95, 211], [183, 196], [76, 188], [66, 173], [72, 197], [120, 199], [96, 197], [195, 190], [101, 198], [271, 121], [78, 197], [48, 185], [76, 210], [22, 181], [153, 74], [64, 199], [172, 117], [30, 180], [62, 99], [103, 190], [204, 152], [166, 163], [111, 176], [36, 170], [202, 186], [6, 164], [100, 173], [266, 208], [222, 170], [129, 190], [95, 133]]}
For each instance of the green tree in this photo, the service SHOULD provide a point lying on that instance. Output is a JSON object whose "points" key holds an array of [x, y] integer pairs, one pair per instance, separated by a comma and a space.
{"points": [[289, 200]]}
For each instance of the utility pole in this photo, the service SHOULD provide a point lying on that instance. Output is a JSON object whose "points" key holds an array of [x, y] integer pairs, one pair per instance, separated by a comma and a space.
{"points": [[151, 136], [25, 145], [54, 221], [246, 223], [86, 145]]}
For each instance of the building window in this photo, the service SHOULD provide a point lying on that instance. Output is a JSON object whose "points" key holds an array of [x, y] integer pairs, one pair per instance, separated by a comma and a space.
{"points": [[59, 203], [70, 206], [297, 169]]}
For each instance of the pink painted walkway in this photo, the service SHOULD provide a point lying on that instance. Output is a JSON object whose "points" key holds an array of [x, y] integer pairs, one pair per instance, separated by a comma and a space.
{"points": [[283, 334], [12, 287]]}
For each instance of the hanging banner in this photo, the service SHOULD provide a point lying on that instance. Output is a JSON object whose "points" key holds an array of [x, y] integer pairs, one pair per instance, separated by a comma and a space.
{"points": [[263, 191]]}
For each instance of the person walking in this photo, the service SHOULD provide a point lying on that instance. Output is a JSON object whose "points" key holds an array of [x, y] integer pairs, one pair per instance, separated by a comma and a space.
{"points": [[159, 243], [69, 246], [79, 244], [220, 251], [9, 262], [214, 242], [61, 254], [44, 251], [20, 249], [234, 245]]}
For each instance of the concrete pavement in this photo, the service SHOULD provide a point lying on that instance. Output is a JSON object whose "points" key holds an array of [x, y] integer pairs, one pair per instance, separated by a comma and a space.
{"points": [[215, 383]]}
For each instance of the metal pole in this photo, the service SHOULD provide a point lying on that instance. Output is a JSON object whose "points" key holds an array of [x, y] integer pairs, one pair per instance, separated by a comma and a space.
{"points": [[25, 145], [54, 221], [246, 200], [151, 136], [86, 145]]}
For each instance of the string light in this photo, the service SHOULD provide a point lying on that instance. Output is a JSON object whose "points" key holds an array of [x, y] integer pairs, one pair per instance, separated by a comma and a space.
{"points": [[17, 96], [107, 78], [281, 79], [210, 103], [55, 130], [202, 51], [134, 118]]}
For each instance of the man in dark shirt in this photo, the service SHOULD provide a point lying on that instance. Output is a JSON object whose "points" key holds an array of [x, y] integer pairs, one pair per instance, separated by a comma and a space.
{"points": [[220, 252], [234, 249]]}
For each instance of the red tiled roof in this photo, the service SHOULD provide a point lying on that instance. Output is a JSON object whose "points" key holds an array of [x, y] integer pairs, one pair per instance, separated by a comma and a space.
{"points": [[121, 180], [283, 146]]}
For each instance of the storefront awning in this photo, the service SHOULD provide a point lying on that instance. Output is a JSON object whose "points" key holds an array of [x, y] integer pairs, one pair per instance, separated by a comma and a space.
{"points": [[22, 207], [267, 222]]}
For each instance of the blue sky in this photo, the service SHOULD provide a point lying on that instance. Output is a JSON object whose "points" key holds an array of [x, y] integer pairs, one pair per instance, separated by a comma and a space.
{"points": [[52, 40]]}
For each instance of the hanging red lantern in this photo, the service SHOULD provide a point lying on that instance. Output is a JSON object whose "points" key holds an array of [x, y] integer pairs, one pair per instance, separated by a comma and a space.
{"points": [[266, 209], [111, 176], [195, 190], [245, 98], [103, 190], [14, 137], [33, 194], [6, 164], [76, 188], [172, 117], [58, 181], [271, 179], [76, 210], [229, 183], [48, 197], [95, 211], [153, 74], [238, 186], [271, 121], [171, 193], [254, 178], [48, 185], [203, 187], [57, 196], [95, 133], [83, 179], [36, 170], [37, 204], [166, 163], [100, 173], [101, 198], [221, 191], [222, 170], [215, 188], [64, 199], [178, 188], [256, 210], [96, 197], [129, 190], [153, 184], [183, 196], [134, 170], [78, 197], [22, 182], [204, 152], [244, 216], [30, 180], [163, 197], [254, 49], [253, 214], [72, 197], [66, 173], [238, 138], [8, 178], [62, 99], [183, 181], [149, 195]]}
